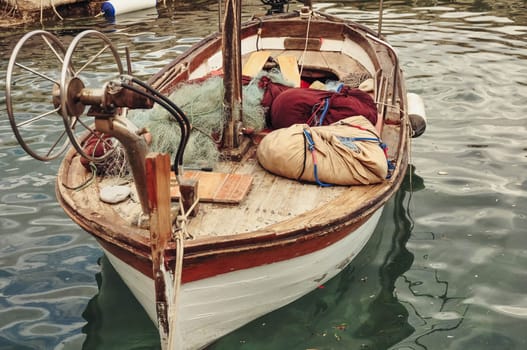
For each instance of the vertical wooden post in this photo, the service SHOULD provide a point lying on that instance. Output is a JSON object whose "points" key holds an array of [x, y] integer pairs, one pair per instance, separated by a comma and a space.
{"points": [[158, 189], [379, 26], [232, 69], [188, 190]]}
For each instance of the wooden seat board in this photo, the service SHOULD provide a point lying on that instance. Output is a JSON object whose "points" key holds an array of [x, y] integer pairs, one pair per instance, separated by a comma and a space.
{"points": [[289, 68], [216, 187], [342, 63], [255, 63]]}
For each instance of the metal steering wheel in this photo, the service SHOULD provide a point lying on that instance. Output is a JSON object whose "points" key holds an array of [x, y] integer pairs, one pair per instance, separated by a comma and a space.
{"points": [[72, 81], [28, 87]]}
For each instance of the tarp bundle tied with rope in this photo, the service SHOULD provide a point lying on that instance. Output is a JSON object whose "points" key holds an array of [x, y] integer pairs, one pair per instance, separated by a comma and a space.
{"points": [[348, 152]]}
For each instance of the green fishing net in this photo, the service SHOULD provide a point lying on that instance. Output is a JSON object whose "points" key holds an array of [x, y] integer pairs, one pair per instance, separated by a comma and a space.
{"points": [[202, 103]]}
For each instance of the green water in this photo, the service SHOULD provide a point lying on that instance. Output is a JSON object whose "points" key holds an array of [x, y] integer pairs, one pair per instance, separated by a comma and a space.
{"points": [[446, 267]]}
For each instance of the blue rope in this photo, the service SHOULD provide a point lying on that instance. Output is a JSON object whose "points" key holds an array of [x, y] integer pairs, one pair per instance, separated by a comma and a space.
{"points": [[310, 142], [343, 138], [311, 147], [348, 142], [325, 111]]}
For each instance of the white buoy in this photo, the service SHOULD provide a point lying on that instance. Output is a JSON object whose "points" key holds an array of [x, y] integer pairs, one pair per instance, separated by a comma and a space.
{"points": [[416, 114], [141, 16], [117, 7]]}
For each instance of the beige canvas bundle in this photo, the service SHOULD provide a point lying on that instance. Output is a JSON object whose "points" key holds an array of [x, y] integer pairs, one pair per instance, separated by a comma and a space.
{"points": [[340, 159]]}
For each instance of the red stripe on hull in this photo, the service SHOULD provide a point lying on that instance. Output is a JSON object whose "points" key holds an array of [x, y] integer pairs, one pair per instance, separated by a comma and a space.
{"points": [[202, 265]]}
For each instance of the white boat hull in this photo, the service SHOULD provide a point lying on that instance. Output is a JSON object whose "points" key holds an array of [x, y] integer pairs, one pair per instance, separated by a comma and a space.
{"points": [[213, 307]]}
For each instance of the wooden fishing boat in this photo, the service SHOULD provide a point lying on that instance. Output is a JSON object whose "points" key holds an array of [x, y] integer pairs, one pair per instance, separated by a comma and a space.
{"points": [[240, 241]]}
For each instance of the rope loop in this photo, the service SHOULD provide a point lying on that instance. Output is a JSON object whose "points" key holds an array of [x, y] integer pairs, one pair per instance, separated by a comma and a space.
{"points": [[86, 183], [182, 219], [311, 147]]}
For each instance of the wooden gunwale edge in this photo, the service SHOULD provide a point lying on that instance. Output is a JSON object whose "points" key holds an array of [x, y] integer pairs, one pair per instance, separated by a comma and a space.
{"points": [[276, 234], [279, 234]]}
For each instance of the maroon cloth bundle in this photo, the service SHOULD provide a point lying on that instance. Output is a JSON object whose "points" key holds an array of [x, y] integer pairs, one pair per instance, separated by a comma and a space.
{"points": [[287, 106]]}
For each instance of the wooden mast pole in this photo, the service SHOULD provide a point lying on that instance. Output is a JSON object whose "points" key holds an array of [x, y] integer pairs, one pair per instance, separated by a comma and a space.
{"points": [[381, 10], [232, 68]]}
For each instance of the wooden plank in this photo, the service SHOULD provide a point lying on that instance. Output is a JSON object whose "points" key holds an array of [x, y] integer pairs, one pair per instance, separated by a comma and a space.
{"points": [[216, 187], [341, 64], [188, 189], [317, 29], [234, 187], [312, 44], [255, 63], [289, 68], [312, 59], [157, 170]]}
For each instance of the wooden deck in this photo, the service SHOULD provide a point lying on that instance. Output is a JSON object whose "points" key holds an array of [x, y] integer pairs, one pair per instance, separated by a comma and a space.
{"points": [[271, 200], [263, 200], [332, 62], [270, 203]]}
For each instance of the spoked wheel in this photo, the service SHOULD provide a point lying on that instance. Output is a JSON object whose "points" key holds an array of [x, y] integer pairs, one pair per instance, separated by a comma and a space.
{"points": [[89, 56], [31, 81]]}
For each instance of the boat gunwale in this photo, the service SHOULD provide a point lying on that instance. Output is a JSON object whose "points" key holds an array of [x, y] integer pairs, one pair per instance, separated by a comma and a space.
{"points": [[207, 247], [136, 240], [199, 52]]}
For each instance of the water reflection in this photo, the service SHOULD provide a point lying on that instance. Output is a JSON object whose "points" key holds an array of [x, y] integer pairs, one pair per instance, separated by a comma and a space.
{"points": [[466, 58], [397, 261], [359, 308], [115, 320], [325, 319]]}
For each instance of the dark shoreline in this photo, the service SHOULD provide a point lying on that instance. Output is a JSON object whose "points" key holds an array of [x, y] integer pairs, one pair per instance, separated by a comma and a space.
{"points": [[12, 16]]}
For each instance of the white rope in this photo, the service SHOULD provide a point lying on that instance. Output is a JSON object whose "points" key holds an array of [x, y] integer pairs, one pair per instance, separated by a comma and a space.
{"points": [[397, 107], [173, 306], [55, 10], [52, 3], [410, 155], [183, 218], [180, 234]]}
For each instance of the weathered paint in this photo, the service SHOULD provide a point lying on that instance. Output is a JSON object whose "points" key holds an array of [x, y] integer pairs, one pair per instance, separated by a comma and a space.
{"points": [[285, 237], [215, 306]]}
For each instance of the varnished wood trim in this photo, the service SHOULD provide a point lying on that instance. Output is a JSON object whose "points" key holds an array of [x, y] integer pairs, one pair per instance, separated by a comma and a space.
{"points": [[312, 44], [199, 266], [210, 256]]}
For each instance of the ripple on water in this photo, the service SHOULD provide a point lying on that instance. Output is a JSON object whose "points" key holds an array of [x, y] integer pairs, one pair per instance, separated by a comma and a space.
{"points": [[12, 210], [459, 14], [8, 224], [49, 221], [488, 19], [447, 315], [53, 279], [12, 316], [35, 180], [511, 30], [25, 197], [467, 62], [151, 38], [498, 300]]}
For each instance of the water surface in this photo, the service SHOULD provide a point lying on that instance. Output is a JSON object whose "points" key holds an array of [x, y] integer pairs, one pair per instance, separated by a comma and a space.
{"points": [[446, 266]]}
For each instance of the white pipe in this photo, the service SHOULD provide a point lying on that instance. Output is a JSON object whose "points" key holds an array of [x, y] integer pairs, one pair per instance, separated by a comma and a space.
{"points": [[117, 7]]}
